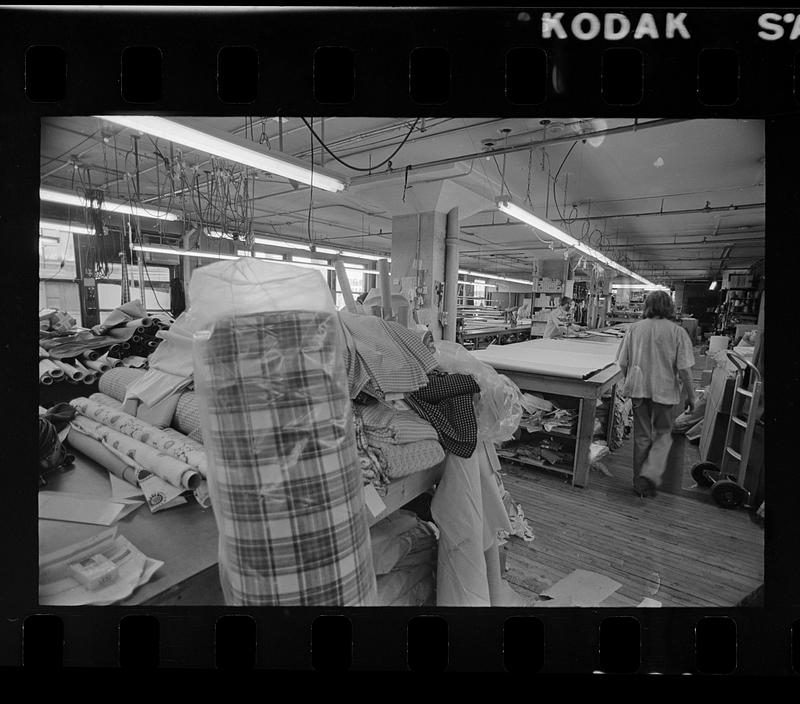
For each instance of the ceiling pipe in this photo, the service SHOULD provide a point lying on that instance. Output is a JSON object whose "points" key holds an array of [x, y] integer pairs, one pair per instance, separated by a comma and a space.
{"points": [[633, 127], [640, 245]]}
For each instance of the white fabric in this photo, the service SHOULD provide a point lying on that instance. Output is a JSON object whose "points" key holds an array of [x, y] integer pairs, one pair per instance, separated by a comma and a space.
{"points": [[469, 511], [574, 359], [652, 353]]}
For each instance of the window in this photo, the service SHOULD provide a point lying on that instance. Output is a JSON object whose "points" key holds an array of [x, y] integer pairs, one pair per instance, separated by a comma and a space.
{"points": [[357, 286]]}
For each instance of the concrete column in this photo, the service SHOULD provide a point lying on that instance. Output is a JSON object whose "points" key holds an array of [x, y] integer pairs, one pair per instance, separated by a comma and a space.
{"points": [[418, 256]]}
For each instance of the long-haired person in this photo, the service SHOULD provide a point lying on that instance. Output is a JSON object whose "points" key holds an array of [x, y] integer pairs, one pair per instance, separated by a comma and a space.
{"points": [[656, 357]]}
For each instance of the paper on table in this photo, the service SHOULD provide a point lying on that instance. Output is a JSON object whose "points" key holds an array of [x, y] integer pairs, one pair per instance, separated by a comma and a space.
{"points": [[120, 489], [584, 588], [79, 508], [647, 601], [57, 588]]}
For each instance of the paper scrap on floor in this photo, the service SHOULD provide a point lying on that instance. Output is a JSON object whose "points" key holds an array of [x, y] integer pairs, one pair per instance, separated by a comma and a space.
{"points": [[583, 588], [58, 588], [79, 508]]}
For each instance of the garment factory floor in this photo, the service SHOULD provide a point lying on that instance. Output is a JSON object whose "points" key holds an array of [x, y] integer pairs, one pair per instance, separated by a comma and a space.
{"points": [[679, 548]]}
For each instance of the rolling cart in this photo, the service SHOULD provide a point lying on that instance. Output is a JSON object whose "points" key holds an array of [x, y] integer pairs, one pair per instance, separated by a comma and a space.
{"points": [[727, 480]]}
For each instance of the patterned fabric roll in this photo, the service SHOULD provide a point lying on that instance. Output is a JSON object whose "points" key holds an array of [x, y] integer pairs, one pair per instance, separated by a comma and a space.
{"points": [[115, 381], [284, 475], [187, 415]]}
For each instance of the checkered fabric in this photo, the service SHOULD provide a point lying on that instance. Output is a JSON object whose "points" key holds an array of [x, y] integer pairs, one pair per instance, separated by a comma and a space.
{"points": [[115, 381], [383, 357], [284, 475], [187, 415], [446, 403], [389, 425]]}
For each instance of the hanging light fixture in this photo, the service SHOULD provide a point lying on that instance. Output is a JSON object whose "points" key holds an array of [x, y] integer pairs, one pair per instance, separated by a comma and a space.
{"points": [[52, 195], [505, 205], [231, 147]]}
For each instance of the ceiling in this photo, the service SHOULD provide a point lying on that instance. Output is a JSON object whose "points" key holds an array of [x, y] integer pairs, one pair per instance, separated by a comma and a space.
{"points": [[668, 200]]}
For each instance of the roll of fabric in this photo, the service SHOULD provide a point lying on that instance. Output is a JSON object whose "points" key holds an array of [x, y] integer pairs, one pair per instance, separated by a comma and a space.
{"points": [[89, 379], [115, 382], [136, 338], [90, 355], [43, 353], [171, 470], [286, 485], [187, 415], [98, 366], [106, 400], [49, 368], [134, 361], [175, 445], [96, 451], [413, 457], [72, 373], [45, 379], [78, 364]]}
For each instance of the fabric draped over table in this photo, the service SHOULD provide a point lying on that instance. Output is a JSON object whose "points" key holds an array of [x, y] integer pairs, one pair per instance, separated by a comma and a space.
{"points": [[383, 357], [469, 511], [284, 471]]}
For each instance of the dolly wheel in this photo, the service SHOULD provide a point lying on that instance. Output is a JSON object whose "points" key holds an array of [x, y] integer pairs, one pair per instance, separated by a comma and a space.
{"points": [[699, 473], [728, 494]]}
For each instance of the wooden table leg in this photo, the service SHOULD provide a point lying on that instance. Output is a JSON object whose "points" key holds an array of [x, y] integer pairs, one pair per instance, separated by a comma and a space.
{"points": [[586, 415], [611, 415]]}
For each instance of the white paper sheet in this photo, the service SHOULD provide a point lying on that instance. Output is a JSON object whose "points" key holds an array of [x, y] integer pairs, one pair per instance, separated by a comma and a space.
{"points": [[79, 508], [120, 489], [648, 602], [373, 500], [584, 588]]}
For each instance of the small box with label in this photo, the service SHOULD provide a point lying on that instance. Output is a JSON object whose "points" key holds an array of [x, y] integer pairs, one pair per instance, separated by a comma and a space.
{"points": [[94, 572]]}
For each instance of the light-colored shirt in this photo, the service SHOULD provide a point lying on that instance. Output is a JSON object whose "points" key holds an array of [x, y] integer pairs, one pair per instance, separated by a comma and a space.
{"points": [[556, 318], [651, 354]]}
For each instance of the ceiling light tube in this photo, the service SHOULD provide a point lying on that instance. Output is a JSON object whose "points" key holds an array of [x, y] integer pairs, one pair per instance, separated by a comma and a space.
{"points": [[228, 146], [713, 286], [65, 227], [496, 277], [280, 243], [505, 205], [52, 195], [181, 252]]}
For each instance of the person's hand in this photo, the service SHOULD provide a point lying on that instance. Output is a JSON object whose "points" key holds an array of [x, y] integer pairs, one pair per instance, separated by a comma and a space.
{"points": [[690, 404]]}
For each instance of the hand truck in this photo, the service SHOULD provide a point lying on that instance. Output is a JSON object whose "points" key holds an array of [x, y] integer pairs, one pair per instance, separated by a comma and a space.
{"points": [[727, 488]]}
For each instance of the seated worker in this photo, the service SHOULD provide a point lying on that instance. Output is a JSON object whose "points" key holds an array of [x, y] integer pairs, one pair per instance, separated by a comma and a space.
{"points": [[559, 320]]}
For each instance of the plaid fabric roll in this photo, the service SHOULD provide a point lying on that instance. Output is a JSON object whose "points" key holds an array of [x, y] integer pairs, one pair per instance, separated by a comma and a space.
{"points": [[446, 403], [284, 475]]}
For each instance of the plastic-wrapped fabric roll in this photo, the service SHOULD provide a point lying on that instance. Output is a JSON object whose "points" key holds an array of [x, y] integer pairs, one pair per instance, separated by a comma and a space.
{"points": [[90, 355], [115, 382], [43, 353], [106, 400], [152, 344], [96, 451], [98, 366], [136, 338], [187, 451], [46, 379], [78, 364], [163, 465], [49, 368], [134, 361], [89, 379], [278, 428], [72, 373]]}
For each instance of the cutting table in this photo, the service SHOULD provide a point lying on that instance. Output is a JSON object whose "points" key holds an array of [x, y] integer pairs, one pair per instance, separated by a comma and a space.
{"points": [[579, 368]]}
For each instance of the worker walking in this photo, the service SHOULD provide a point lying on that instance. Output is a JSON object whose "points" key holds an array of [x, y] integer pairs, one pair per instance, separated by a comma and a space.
{"points": [[655, 357], [559, 320]]}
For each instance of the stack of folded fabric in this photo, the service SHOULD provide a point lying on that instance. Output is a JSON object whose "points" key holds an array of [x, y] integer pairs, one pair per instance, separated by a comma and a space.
{"points": [[403, 442], [404, 554]]}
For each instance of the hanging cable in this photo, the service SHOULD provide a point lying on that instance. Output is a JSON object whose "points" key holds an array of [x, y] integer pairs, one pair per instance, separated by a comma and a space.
{"points": [[311, 191], [358, 168]]}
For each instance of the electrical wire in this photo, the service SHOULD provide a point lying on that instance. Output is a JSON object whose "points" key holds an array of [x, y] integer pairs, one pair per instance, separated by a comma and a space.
{"points": [[311, 191], [359, 168]]}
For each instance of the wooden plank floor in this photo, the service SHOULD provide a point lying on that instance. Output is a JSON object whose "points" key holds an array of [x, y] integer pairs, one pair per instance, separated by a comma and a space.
{"points": [[680, 549]]}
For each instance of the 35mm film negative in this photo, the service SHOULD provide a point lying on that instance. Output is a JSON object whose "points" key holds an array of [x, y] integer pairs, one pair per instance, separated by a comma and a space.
{"points": [[544, 64]]}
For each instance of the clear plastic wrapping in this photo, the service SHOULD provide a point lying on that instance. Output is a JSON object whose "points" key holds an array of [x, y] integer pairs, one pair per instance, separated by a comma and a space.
{"points": [[499, 407], [283, 472]]}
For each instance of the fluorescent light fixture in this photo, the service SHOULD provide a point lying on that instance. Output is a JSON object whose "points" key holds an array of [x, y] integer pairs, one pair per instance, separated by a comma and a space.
{"points": [[52, 195], [261, 255], [713, 286], [354, 255], [181, 252], [493, 276], [64, 227], [227, 146], [506, 206], [644, 287], [485, 285], [280, 243], [47, 238]]}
